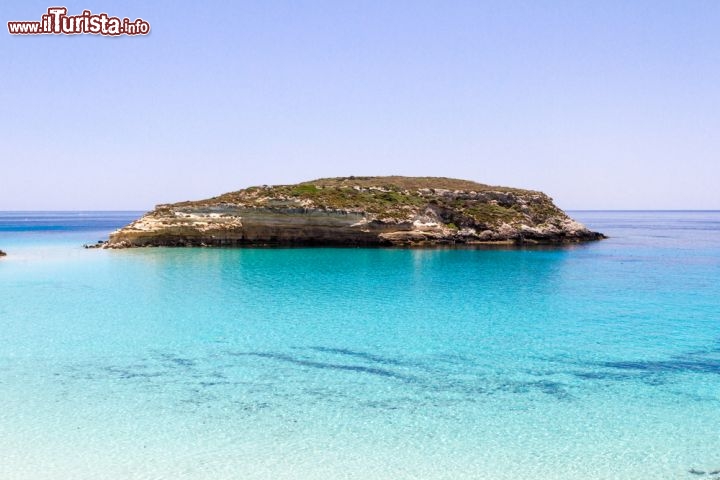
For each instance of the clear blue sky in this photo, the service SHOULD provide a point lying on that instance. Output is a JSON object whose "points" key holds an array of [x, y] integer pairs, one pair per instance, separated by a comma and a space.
{"points": [[601, 104]]}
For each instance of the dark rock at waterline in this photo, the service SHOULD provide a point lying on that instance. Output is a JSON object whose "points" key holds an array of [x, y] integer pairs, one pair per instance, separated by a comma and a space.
{"points": [[2, 254]]}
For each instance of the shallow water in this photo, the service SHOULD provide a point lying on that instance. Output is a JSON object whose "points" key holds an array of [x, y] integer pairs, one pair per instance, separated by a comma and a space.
{"points": [[599, 361]]}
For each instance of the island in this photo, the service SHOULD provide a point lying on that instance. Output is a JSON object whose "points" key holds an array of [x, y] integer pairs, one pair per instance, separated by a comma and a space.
{"points": [[2, 254], [359, 211]]}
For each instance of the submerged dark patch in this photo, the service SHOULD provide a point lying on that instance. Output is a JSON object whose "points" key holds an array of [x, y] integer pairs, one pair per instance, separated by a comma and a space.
{"points": [[331, 366], [668, 366], [362, 355]]}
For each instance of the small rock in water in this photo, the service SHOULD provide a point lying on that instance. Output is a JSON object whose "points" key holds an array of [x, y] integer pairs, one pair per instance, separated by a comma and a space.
{"points": [[99, 244], [696, 472], [2, 254]]}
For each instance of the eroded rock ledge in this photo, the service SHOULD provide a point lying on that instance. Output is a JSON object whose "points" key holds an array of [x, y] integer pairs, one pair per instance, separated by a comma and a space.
{"points": [[359, 211]]}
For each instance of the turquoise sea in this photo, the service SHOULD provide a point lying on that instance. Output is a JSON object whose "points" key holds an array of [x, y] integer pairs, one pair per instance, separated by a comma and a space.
{"points": [[597, 361]]}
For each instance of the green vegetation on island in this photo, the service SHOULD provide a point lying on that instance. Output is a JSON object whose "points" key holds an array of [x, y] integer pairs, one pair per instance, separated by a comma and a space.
{"points": [[390, 210]]}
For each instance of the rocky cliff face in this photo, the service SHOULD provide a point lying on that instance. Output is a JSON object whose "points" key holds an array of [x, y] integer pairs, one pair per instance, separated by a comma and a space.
{"points": [[372, 211]]}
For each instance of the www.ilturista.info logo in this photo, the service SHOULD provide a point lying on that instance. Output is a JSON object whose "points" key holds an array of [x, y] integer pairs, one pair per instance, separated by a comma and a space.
{"points": [[57, 21]]}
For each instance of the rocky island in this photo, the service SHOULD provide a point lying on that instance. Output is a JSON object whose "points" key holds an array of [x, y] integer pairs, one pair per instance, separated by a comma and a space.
{"points": [[359, 211], [2, 254]]}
